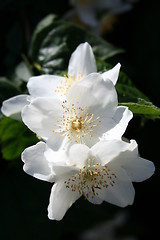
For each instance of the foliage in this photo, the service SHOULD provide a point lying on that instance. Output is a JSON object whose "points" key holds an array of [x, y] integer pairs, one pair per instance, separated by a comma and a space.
{"points": [[14, 138], [129, 95], [53, 42]]}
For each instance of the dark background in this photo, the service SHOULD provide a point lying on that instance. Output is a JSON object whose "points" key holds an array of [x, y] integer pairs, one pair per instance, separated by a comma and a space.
{"points": [[23, 199]]}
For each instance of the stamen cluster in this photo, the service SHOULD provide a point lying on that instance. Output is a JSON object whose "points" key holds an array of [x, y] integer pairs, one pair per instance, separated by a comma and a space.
{"points": [[77, 123], [91, 177], [63, 88]]}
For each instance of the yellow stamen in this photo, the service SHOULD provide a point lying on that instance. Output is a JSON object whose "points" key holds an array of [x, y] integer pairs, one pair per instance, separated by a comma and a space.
{"points": [[90, 178]]}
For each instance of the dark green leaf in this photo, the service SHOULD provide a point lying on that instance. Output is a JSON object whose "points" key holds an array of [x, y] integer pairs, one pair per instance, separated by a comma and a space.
{"points": [[103, 66], [39, 34], [143, 107], [130, 96], [14, 138], [127, 93], [54, 41]]}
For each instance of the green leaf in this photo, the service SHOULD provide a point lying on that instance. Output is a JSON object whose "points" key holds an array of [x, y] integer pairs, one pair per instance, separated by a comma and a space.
{"points": [[135, 100], [42, 29], [143, 108], [103, 66], [130, 96], [14, 138], [127, 93], [54, 41]]}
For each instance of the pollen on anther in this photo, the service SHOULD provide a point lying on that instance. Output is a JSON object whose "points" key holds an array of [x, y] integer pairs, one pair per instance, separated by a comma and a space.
{"points": [[90, 178], [77, 123]]}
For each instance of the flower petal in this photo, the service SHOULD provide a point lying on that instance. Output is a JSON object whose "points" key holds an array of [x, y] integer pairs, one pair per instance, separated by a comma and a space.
{"points": [[94, 199], [99, 100], [87, 14], [121, 193], [82, 61], [78, 155], [121, 118], [106, 151], [93, 92], [64, 172], [124, 155], [137, 168], [35, 163], [61, 199], [45, 86], [56, 142], [55, 157], [12, 107], [112, 74], [41, 115]]}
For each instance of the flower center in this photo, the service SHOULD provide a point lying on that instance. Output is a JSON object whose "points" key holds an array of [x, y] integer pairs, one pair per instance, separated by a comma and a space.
{"points": [[91, 178], [76, 123]]}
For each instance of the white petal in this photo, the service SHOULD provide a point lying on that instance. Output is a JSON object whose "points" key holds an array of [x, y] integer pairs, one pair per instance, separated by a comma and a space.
{"points": [[112, 74], [122, 192], [93, 92], [137, 168], [94, 199], [106, 151], [45, 86], [56, 142], [78, 155], [41, 115], [61, 199], [121, 118], [64, 172], [97, 98], [13, 106], [55, 156], [87, 14], [124, 155], [35, 163], [82, 61], [59, 161], [140, 169]]}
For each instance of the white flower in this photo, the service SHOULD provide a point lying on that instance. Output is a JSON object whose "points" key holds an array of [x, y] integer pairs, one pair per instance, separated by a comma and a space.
{"points": [[104, 172], [90, 112], [87, 11], [82, 63]]}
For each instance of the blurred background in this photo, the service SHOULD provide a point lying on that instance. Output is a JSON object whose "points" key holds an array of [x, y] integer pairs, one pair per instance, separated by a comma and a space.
{"points": [[23, 199]]}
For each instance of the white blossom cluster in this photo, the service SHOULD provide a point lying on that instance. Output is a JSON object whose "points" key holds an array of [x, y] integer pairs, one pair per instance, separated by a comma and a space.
{"points": [[80, 127]]}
